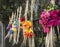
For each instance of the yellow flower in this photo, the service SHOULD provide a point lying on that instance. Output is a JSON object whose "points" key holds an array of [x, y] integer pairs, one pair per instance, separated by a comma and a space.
{"points": [[30, 30], [14, 29]]}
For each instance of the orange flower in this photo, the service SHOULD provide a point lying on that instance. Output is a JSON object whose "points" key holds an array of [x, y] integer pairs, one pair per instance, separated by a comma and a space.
{"points": [[28, 24], [31, 33], [28, 32]]}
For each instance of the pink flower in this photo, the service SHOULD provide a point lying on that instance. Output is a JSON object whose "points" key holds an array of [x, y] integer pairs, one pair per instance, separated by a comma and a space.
{"points": [[46, 29], [59, 21], [40, 21], [45, 15], [49, 19], [54, 13]]}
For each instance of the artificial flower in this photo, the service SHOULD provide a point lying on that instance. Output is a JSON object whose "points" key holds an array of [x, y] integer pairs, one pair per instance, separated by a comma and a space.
{"points": [[11, 31], [28, 24], [52, 18], [14, 29], [9, 26], [28, 32], [22, 19]]}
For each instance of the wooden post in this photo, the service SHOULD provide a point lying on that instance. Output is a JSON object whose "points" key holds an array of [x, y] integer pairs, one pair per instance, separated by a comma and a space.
{"points": [[32, 7], [19, 23], [10, 22], [17, 12], [58, 29], [26, 10], [47, 40], [11, 19], [25, 15], [1, 35], [15, 34], [52, 28], [51, 34]]}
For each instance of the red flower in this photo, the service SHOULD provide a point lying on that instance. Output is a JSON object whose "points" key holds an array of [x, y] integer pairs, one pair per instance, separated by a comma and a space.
{"points": [[22, 19]]}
